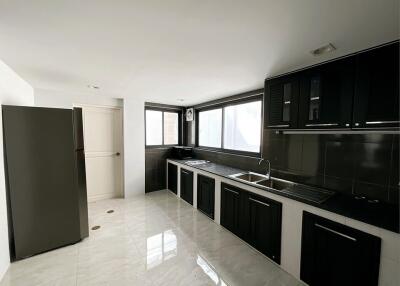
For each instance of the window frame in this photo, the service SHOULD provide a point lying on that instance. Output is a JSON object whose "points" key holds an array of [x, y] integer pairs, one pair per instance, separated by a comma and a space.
{"points": [[162, 110], [254, 98]]}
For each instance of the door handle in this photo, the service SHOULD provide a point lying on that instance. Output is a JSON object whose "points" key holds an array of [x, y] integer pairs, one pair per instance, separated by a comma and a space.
{"points": [[231, 191], [259, 202], [322, 124], [335, 232], [117, 154], [380, 122], [279, 125]]}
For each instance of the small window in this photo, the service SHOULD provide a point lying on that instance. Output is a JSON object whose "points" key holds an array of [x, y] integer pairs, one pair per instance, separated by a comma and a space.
{"points": [[210, 128], [154, 127], [242, 127], [162, 128], [171, 128]]}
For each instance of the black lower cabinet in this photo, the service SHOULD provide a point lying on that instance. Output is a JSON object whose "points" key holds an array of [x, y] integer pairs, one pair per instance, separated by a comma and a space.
{"points": [[335, 254], [172, 178], [187, 185], [232, 211], [205, 195], [264, 224], [255, 219]]}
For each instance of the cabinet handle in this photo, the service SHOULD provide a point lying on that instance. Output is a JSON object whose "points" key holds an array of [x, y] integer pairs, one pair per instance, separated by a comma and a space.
{"points": [[380, 122], [185, 172], [322, 124], [335, 232], [259, 202], [279, 125], [232, 191]]}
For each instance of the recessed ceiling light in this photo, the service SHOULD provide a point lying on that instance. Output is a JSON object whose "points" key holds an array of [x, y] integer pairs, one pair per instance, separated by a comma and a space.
{"points": [[323, 50], [91, 86]]}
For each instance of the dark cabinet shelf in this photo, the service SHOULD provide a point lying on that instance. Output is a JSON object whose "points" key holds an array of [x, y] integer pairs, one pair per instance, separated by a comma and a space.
{"points": [[281, 102], [376, 100], [255, 219], [264, 223], [187, 185], [358, 91], [326, 95], [205, 195], [335, 254], [173, 178], [232, 211]]}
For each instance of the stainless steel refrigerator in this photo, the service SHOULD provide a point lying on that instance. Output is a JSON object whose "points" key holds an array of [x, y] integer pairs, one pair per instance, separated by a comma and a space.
{"points": [[45, 178]]}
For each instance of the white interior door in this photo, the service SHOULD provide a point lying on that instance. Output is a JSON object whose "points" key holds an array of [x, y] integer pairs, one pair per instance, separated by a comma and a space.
{"points": [[103, 152]]}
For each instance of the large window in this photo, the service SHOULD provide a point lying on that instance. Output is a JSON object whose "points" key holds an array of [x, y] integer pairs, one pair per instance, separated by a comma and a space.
{"points": [[233, 127], [162, 128]]}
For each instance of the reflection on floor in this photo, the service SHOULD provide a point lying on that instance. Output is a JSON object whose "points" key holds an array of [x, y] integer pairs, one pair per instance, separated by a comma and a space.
{"points": [[154, 239]]}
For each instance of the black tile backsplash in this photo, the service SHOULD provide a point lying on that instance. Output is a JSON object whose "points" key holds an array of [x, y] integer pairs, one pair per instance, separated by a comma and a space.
{"points": [[353, 164]]}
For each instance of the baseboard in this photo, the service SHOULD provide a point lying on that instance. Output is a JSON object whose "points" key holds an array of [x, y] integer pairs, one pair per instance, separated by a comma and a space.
{"points": [[92, 199]]}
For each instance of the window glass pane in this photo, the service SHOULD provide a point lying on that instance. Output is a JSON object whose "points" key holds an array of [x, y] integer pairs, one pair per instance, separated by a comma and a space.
{"points": [[242, 127], [210, 128], [153, 127], [287, 91], [315, 98], [171, 122]]}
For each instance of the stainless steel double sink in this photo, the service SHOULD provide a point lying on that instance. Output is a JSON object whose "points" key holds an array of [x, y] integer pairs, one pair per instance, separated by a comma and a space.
{"points": [[301, 191]]}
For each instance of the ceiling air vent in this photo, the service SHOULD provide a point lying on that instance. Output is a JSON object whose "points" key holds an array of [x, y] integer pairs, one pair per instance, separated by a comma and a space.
{"points": [[323, 50]]}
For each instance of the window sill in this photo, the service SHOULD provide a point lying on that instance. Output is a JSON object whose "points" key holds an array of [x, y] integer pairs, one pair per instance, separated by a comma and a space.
{"points": [[230, 152]]}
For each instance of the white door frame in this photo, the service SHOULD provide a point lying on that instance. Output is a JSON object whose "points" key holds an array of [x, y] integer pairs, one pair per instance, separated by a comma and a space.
{"points": [[121, 110]]}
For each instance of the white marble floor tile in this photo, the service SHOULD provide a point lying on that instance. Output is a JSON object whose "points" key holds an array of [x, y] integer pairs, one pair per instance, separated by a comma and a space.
{"points": [[154, 239]]}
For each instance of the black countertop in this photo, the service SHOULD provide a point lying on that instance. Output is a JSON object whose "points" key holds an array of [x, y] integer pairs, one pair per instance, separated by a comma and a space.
{"points": [[380, 214]]}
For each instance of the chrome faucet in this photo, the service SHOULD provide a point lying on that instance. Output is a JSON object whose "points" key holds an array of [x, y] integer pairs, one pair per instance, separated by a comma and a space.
{"points": [[269, 167]]}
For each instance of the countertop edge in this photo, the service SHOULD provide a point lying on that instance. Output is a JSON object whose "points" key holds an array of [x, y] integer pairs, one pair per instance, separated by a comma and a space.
{"points": [[322, 206]]}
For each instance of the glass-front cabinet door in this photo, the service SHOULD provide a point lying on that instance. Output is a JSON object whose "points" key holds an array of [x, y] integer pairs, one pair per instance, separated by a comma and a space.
{"points": [[326, 95], [281, 102]]}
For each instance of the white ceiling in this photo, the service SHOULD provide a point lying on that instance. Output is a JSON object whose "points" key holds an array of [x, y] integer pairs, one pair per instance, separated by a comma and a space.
{"points": [[195, 50]]}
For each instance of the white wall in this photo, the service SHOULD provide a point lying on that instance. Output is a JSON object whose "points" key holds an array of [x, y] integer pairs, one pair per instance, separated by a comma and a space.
{"points": [[134, 143], [60, 99], [13, 91], [134, 146]]}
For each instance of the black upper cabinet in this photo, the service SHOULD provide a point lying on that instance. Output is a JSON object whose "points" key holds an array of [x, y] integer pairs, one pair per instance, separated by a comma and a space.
{"points": [[232, 211], [376, 101], [281, 102], [205, 195], [187, 185], [358, 91], [334, 254], [264, 225], [326, 95], [172, 177]]}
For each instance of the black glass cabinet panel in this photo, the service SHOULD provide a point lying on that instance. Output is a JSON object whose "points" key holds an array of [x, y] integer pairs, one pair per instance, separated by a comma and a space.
{"points": [[264, 222], [376, 101], [326, 95], [206, 195], [232, 211], [172, 178], [281, 102], [334, 254], [187, 185]]}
